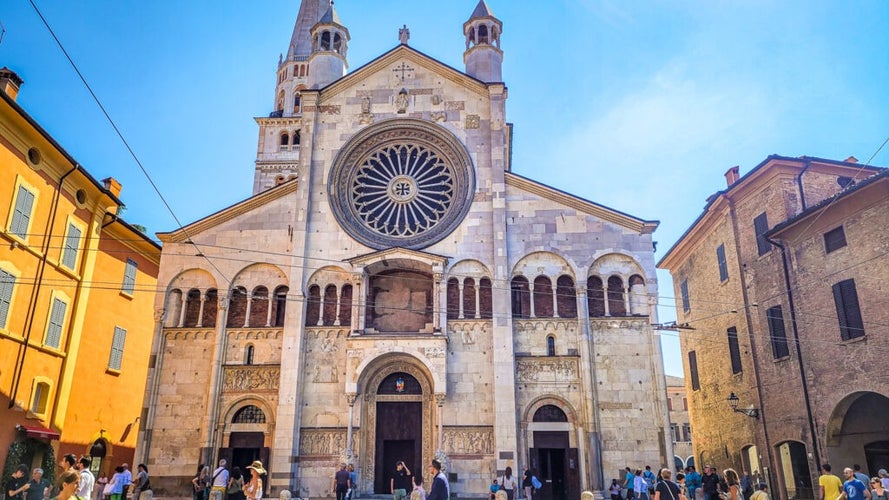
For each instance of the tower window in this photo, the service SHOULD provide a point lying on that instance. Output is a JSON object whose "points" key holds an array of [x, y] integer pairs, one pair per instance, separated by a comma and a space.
{"points": [[297, 136], [248, 355], [285, 142], [550, 346], [482, 34]]}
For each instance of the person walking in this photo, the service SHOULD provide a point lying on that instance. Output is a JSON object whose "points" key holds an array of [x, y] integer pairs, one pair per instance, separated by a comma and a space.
{"points": [[666, 489], [341, 482], [733, 482], [87, 480], [710, 483], [68, 481], [509, 483], [629, 483], [117, 481], [527, 484], [853, 489], [440, 489], [829, 485], [236, 485], [878, 492], [419, 492], [219, 482], [640, 486], [692, 482]]}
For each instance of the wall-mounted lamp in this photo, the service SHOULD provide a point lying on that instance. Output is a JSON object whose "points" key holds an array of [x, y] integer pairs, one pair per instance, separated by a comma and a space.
{"points": [[733, 402]]}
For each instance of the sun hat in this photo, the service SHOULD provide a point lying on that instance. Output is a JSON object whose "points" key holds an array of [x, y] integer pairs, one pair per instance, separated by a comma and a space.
{"points": [[257, 466]]}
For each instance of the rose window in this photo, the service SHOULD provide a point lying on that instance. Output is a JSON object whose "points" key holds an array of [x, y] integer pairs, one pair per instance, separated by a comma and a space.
{"points": [[401, 183]]}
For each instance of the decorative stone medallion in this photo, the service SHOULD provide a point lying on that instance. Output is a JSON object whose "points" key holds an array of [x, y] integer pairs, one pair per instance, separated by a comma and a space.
{"points": [[402, 182]]}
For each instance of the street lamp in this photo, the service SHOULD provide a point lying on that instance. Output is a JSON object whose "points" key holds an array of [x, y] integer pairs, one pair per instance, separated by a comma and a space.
{"points": [[733, 402]]}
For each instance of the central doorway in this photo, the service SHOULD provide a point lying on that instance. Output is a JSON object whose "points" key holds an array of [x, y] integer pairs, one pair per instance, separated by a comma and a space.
{"points": [[399, 428]]}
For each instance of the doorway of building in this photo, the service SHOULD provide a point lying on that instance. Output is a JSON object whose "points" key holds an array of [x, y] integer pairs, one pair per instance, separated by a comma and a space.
{"points": [[877, 456], [795, 470], [399, 434], [555, 464], [244, 448]]}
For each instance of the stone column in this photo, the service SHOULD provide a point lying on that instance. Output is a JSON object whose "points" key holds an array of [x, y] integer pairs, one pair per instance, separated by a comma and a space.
{"points": [[357, 303], [200, 323], [350, 398], [247, 316], [322, 294], [182, 310], [336, 313], [555, 301], [478, 295], [268, 310], [439, 406], [605, 294], [627, 300], [437, 291], [460, 300], [531, 294]]}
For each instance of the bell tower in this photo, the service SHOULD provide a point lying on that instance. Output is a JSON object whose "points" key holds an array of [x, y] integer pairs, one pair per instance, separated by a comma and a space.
{"points": [[330, 43], [483, 57]]}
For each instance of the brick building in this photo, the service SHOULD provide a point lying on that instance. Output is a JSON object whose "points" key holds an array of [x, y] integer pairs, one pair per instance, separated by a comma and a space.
{"points": [[77, 286], [393, 291], [781, 279]]}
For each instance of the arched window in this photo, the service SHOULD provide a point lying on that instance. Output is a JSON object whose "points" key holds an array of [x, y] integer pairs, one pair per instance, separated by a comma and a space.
{"points": [[211, 306], [521, 297], [237, 308], [453, 292], [469, 298], [337, 43], [325, 40], [346, 305], [550, 346], [249, 414], [297, 104], [97, 454], [543, 297], [329, 305], [616, 304], [472, 35], [259, 307], [313, 305], [566, 297], [192, 308], [485, 298], [280, 103], [595, 296], [248, 354], [550, 413], [482, 34], [174, 308], [280, 305], [297, 137], [285, 141]]}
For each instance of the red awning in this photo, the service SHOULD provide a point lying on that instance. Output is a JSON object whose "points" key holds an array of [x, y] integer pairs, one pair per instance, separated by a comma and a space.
{"points": [[36, 431]]}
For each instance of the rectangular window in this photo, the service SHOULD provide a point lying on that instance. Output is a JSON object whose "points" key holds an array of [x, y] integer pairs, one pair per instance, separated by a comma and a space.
{"points": [[129, 277], [56, 323], [734, 349], [21, 215], [686, 433], [685, 404], [39, 398], [7, 283], [674, 430], [761, 226], [72, 245], [720, 260], [117, 343], [834, 239], [849, 314], [775, 318], [693, 370], [683, 289], [669, 403]]}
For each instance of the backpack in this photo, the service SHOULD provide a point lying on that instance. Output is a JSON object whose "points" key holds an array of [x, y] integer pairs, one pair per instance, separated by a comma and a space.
{"points": [[536, 483]]}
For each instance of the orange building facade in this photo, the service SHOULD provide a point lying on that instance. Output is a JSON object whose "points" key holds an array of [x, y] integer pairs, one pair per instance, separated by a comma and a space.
{"points": [[77, 287]]}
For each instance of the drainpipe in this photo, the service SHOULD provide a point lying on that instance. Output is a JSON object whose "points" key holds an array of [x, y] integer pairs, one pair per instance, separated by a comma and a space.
{"points": [[35, 292], [799, 185], [799, 353]]}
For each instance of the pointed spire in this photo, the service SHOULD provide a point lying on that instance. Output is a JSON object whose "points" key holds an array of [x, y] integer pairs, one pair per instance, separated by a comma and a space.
{"points": [[481, 10], [330, 16], [310, 12]]}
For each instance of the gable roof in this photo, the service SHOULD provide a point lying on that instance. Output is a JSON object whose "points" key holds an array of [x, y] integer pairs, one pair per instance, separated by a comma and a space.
{"points": [[184, 233], [583, 205], [415, 56]]}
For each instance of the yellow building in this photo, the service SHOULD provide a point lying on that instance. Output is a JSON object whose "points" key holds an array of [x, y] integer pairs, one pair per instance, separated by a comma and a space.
{"points": [[77, 285]]}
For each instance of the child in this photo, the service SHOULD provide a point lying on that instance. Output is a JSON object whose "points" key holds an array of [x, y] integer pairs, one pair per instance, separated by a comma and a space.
{"points": [[615, 489], [495, 487]]}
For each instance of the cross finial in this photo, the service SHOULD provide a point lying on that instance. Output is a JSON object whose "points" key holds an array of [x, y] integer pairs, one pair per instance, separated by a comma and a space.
{"points": [[404, 34]]}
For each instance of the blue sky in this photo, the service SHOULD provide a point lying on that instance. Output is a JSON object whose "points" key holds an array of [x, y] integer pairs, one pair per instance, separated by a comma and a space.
{"points": [[641, 106]]}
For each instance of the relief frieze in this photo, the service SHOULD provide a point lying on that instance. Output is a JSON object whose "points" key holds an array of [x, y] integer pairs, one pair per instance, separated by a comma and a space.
{"points": [[548, 369], [251, 378], [468, 440]]}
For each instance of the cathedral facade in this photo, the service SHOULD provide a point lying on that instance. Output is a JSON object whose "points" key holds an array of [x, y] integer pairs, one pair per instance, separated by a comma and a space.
{"points": [[393, 291]]}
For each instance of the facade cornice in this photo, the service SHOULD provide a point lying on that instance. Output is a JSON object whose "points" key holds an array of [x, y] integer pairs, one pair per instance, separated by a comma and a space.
{"points": [[226, 214], [585, 206]]}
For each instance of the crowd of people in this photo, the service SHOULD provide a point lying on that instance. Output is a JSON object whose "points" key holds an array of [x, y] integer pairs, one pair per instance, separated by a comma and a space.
{"points": [[688, 484], [225, 484], [75, 481]]}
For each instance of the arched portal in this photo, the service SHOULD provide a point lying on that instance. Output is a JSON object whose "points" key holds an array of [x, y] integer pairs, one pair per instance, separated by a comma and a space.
{"points": [[398, 419], [858, 432]]}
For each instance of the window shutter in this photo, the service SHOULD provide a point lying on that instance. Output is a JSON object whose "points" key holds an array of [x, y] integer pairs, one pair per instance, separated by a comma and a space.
{"points": [[761, 227], [72, 244], [7, 282], [845, 297], [56, 322], [129, 277], [734, 350], [834, 239], [775, 318], [683, 290], [22, 215], [720, 260], [693, 370], [115, 361]]}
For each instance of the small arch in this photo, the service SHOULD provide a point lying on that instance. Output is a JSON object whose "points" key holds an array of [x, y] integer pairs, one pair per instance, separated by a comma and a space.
{"points": [[297, 104], [550, 345], [325, 40], [543, 297], [174, 308], [329, 313], [237, 308], [486, 298], [595, 296], [285, 139], [549, 413], [482, 34], [345, 314], [259, 307], [337, 43], [313, 305], [521, 297], [280, 103], [616, 304], [297, 137], [211, 307], [280, 305], [453, 298], [469, 295], [248, 354], [566, 297], [192, 308]]}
